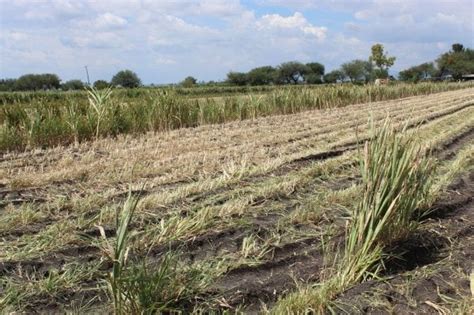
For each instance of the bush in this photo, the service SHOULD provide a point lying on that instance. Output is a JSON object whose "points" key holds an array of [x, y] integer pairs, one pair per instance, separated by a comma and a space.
{"points": [[72, 85], [126, 79], [101, 84]]}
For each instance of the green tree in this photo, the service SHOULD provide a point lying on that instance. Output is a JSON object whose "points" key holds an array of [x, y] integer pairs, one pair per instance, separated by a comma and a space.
{"points": [[72, 85], [189, 82], [315, 73], [45, 81], [334, 76], [357, 70], [417, 73], [457, 62], [292, 72], [126, 79], [381, 61], [7, 85], [101, 84], [261, 76], [458, 48], [237, 78]]}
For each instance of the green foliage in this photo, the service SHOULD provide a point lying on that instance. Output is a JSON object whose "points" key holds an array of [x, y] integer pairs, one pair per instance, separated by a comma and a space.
{"points": [[98, 102], [101, 84], [457, 62], [165, 285], [72, 85], [357, 70], [143, 286], [316, 68], [47, 119], [381, 61], [315, 73], [7, 85], [237, 78], [414, 74], [287, 73], [117, 253], [261, 76], [126, 79], [34, 82], [397, 176], [458, 48], [189, 82], [292, 72], [334, 76]]}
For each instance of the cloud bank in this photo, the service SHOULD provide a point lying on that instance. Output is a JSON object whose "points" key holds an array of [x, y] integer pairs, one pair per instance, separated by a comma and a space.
{"points": [[166, 40]]}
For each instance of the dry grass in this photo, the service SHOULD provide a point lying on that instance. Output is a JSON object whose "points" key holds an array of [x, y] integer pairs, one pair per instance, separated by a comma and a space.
{"points": [[259, 181]]}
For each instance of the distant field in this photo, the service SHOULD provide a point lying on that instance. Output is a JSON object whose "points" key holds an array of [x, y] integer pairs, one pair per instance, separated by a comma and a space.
{"points": [[254, 208], [46, 119]]}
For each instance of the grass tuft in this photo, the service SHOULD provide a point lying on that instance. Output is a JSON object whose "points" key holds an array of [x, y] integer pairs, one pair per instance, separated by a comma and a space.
{"points": [[143, 285], [397, 177]]}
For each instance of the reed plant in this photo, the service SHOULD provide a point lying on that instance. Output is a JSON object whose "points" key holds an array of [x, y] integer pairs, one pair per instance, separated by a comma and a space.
{"points": [[397, 177], [142, 284], [98, 101], [50, 119]]}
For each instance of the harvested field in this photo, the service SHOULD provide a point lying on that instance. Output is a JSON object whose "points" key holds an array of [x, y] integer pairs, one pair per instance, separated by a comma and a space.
{"points": [[255, 206]]}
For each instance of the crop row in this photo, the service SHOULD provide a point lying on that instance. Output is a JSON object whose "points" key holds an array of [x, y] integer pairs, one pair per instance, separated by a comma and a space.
{"points": [[74, 118]]}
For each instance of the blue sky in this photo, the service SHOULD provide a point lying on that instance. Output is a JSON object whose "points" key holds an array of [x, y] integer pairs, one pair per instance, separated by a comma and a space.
{"points": [[164, 41]]}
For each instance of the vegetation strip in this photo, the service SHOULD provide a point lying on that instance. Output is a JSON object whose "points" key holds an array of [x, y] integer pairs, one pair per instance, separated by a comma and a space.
{"points": [[265, 219], [74, 121]]}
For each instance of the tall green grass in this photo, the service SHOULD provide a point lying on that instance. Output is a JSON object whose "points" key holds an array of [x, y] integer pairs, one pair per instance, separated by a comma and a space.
{"points": [[62, 118], [397, 176]]}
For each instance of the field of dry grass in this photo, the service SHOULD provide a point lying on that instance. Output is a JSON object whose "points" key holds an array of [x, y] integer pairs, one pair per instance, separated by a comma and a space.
{"points": [[255, 206]]}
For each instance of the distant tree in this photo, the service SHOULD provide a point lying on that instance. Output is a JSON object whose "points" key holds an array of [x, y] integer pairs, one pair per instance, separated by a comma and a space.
{"points": [[237, 78], [316, 68], [357, 70], [458, 48], [457, 62], [417, 73], [334, 76], [7, 85], [189, 82], [126, 79], [72, 85], [261, 75], [101, 84], [315, 73], [292, 72], [45, 81], [381, 61]]}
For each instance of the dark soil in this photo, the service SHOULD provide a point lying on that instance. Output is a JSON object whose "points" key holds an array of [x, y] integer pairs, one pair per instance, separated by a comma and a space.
{"points": [[437, 258], [249, 286], [449, 149]]}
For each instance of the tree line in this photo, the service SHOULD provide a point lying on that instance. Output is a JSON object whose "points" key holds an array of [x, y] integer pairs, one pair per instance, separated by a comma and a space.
{"points": [[453, 64], [48, 81], [314, 73]]}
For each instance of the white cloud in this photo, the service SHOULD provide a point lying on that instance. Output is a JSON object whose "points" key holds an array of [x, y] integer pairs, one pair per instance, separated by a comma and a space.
{"points": [[16, 36], [363, 14], [96, 40], [210, 37], [108, 20], [297, 21], [161, 60], [221, 8]]}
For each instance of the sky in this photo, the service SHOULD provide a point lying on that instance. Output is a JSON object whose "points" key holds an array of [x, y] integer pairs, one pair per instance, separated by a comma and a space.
{"points": [[164, 41]]}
